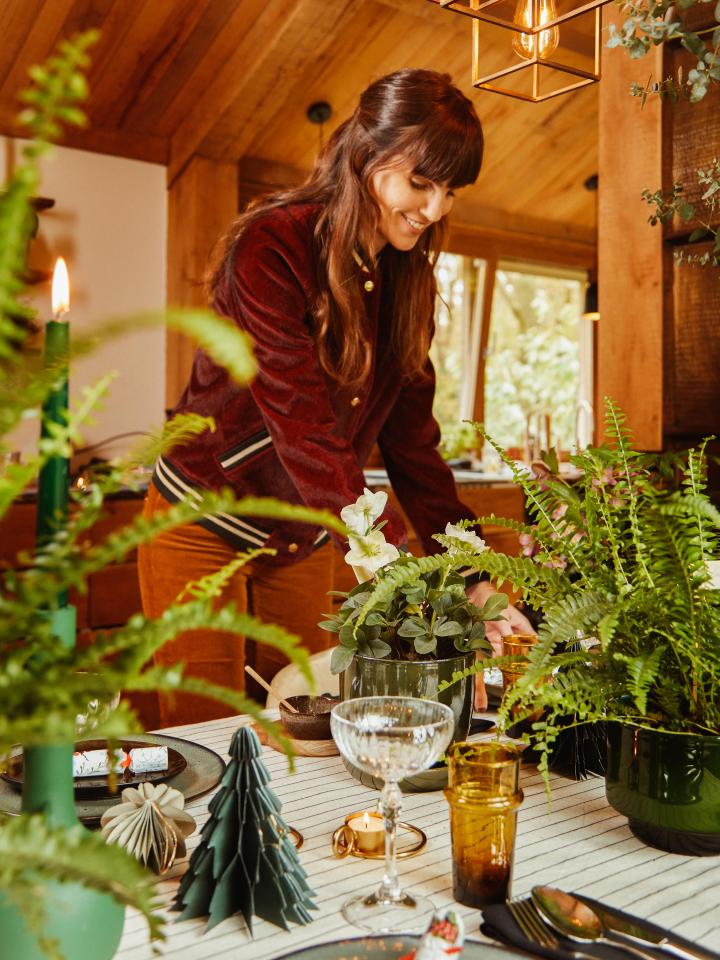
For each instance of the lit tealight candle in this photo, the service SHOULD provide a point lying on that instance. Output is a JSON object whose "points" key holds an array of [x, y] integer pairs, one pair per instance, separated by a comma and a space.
{"points": [[369, 830]]}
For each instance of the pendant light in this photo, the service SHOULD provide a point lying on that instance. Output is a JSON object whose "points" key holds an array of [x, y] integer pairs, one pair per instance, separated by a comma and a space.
{"points": [[532, 49]]}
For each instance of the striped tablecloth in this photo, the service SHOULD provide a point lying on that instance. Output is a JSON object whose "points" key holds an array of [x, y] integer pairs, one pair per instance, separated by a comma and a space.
{"points": [[579, 844]]}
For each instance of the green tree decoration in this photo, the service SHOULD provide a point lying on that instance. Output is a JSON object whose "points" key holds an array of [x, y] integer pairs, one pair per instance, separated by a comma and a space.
{"points": [[246, 862]]}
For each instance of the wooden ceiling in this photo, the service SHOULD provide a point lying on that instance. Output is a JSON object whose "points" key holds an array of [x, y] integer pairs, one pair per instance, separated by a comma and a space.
{"points": [[232, 79]]}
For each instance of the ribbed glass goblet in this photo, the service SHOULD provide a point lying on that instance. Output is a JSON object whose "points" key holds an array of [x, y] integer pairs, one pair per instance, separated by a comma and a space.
{"points": [[390, 738]]}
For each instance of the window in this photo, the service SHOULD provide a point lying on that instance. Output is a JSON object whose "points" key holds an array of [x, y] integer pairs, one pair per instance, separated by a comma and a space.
{"points": [[538, 359], [534, 376], [456, 347]]}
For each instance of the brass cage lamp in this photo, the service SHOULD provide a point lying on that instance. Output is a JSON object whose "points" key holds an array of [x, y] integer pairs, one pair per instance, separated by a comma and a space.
{"points": [[532, 49]]}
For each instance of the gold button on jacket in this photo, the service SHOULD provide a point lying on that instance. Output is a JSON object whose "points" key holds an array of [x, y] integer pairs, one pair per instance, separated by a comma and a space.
{"points": [[355, 401]]}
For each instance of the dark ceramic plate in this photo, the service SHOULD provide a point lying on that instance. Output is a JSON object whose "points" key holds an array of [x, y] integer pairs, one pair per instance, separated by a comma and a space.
{"points": [[384, 947], [202, 772], [97, 787]]}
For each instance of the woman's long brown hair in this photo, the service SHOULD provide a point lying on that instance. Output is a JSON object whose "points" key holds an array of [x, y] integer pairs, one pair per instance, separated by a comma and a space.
{"points": [[412, 116]]}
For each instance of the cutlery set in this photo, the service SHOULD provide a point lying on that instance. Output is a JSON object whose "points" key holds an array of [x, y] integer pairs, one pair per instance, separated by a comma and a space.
{"points": [[557, 921]]}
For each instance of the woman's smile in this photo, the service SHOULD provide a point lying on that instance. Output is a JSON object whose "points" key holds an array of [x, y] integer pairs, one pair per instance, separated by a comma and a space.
{"points": [[415, 225], [409, 204]]}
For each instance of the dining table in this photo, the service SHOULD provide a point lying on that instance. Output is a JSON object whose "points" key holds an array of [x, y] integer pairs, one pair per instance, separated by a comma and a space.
{"points": [[573, 840]]}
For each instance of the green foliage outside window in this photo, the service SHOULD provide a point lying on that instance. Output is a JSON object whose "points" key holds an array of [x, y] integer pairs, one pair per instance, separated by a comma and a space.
{"points": [[533, 362], [447, 350]]}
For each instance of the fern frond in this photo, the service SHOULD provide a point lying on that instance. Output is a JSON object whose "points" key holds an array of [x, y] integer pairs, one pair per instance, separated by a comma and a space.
{"points": [[615, 426], [538, 583], [401, 573], [642, 673], [136, 642], [176, 432], [540, 501], [53, 574], [221, 339], [213, 584]]}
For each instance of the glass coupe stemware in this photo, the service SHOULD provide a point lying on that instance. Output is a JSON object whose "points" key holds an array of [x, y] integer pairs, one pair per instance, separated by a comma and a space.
{"points": [[390, 738]]}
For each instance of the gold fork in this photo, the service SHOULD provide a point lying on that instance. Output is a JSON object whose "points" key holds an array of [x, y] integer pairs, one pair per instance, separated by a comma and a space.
{"points": [[535, 930]]}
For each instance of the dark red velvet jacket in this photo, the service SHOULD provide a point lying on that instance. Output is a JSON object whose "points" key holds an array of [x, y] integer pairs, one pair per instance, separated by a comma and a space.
{"points": [[294, 433]]}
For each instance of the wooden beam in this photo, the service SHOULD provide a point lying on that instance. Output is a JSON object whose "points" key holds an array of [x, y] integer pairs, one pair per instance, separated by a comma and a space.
{"points": [[202, 203], [116, 143], [542, 247], [630, 256]]}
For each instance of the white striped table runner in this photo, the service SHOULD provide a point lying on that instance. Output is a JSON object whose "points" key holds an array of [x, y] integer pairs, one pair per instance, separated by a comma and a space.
{"points": [[580, 844]]}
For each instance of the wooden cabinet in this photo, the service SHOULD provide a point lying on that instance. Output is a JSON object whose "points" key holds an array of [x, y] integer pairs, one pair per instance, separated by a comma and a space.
{"points": [[113, 594]]}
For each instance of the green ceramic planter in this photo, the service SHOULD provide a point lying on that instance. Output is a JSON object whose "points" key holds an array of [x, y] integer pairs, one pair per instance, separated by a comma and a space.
{"points": [[87, 925], [369, 677], [668, 786]]}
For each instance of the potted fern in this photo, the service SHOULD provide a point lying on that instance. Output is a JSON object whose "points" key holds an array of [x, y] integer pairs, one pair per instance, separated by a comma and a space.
{"points": [[62, 889], [621, 564], [408, 627]]}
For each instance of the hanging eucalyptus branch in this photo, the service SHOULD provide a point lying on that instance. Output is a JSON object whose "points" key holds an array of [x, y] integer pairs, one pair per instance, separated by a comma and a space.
{"points": [[649, 23], [672, 204]]}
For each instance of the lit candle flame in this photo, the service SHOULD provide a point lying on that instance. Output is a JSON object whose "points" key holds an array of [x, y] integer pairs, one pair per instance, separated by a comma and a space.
{"points": [[60, 289], [366, 821]]}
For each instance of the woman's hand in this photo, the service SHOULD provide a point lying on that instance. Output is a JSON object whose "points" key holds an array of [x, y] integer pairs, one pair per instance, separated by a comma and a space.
{"points": [[514, 622]]}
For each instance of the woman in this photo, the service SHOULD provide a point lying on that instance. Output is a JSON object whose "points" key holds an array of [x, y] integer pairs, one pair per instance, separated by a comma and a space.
{"points": [[333, 280]]}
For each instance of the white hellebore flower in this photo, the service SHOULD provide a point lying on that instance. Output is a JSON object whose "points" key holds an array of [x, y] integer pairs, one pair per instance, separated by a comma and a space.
{"points": [[477, 544], [361, 515], [370, 553]]}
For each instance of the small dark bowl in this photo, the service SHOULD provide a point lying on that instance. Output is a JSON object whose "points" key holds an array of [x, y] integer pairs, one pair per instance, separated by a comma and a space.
{"points": [[312, 721]]}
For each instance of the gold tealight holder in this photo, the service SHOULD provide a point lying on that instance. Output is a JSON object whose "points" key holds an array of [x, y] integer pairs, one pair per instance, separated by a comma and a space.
{"points": [[363, 835]]}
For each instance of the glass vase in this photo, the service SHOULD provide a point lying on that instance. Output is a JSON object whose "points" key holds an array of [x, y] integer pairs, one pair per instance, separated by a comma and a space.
{"points": [[86, 924]]}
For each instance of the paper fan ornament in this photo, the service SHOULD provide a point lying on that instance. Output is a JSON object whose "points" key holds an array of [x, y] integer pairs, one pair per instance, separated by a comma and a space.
{"points": [[151, 824], [246, 862]]}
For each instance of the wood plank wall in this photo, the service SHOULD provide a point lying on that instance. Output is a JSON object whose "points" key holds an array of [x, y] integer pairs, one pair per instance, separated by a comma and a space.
{"points": [[630, 256], [202, 202]]}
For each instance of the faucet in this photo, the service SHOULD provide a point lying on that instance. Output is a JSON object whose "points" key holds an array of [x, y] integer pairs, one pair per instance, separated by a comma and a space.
{"points": [[534, 438]]}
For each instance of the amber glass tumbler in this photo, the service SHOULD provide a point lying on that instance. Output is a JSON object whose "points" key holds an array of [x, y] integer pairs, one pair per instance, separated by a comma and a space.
{"points": [[484, 795], [516, 645]]}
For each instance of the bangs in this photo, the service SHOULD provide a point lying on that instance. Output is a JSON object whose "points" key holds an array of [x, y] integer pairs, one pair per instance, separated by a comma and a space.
{"points": [[447, 153]]}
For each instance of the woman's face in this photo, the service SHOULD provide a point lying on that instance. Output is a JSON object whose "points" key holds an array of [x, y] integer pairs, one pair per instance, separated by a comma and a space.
{"points": [[408, 203]]}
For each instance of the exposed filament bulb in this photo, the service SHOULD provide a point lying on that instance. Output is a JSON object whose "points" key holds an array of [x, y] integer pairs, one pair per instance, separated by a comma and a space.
{"points": [[524, 44]]}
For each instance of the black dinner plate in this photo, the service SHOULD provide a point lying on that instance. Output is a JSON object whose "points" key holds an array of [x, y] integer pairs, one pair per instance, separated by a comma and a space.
{"points": [[203, 772], [98, 787]]}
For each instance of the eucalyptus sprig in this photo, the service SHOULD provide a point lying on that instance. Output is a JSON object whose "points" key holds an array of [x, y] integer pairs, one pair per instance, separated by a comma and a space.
{"points": [[667, 205], [649, 23]]}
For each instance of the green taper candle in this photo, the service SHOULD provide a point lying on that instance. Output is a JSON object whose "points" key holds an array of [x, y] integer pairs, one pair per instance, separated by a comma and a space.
{"points": [[54, 479]]}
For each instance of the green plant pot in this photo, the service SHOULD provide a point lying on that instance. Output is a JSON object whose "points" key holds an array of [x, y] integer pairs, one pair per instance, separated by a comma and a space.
{"points": [[668, 786], [87, 925], [369, 677]]}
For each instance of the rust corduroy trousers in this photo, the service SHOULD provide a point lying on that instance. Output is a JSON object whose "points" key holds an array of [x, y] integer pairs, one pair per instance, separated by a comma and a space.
{"points": [[295, 597]]}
